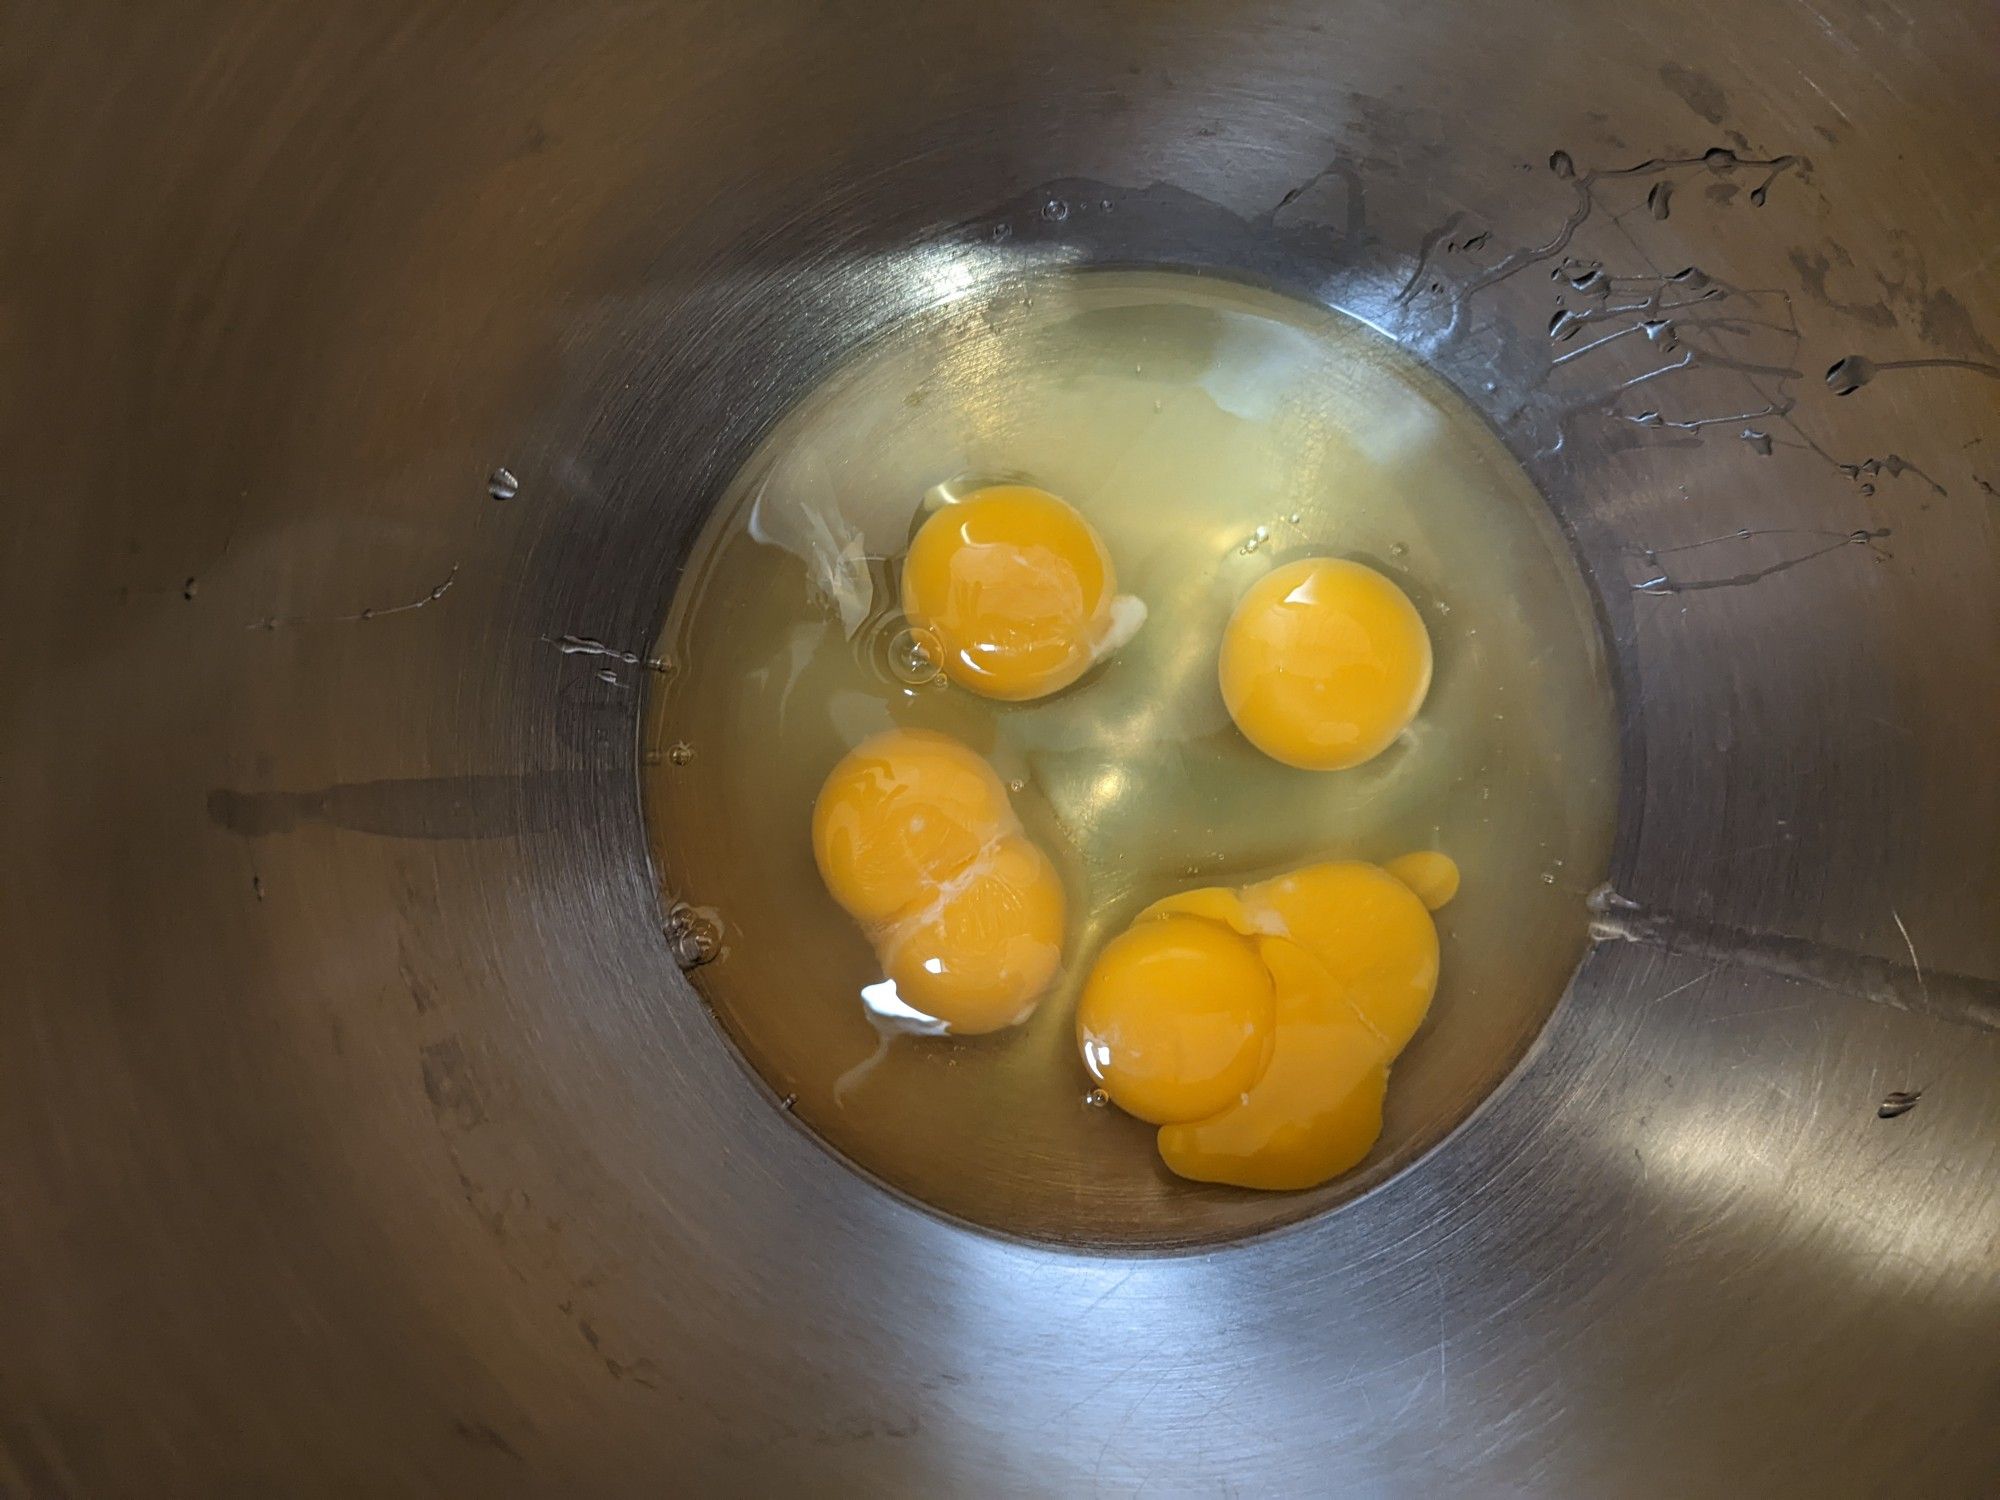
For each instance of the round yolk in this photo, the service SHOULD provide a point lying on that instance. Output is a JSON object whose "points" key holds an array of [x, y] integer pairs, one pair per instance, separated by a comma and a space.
{"points": [[1324, 663], [1370, 933], [1316, 1110], [1175, 1021], [901, 814], [982, 953], [1017, 588], [915, 838]]}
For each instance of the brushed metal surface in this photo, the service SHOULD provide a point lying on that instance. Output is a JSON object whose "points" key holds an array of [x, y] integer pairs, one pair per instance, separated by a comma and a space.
{"points": [[359, 1134]]}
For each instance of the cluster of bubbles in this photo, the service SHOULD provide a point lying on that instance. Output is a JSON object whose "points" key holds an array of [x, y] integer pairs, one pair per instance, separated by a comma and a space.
{"points": [[694, 935]]}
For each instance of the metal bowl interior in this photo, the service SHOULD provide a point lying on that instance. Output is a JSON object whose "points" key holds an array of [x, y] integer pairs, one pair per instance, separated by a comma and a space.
{"points": [[363, 1133]]}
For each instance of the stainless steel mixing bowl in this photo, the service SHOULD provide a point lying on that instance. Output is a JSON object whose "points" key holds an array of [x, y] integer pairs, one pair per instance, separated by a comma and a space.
{"points": [[359, 1132]]}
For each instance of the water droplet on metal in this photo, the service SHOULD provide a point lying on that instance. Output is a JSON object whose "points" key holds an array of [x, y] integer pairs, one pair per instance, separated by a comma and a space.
{"points": [[502, 485], [680, 752], [1846, 376], [1561, 164], [608, 674], [916, 656], [1761, 441]]}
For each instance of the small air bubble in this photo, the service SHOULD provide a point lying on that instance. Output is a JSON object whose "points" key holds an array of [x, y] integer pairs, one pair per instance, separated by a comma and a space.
{"points": [[608, 674], [1548, 877], [1561, 164], [1399, 549], [1017, 785], [1055, 210], [189, 589], [1097, 1098], [1293, 518], [680, 752], [1002, 232], [916, 656], [502, 485]]}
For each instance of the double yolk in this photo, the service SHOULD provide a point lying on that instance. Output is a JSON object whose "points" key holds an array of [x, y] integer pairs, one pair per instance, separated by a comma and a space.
{"points": [[1256, 1026], [915, 838]]}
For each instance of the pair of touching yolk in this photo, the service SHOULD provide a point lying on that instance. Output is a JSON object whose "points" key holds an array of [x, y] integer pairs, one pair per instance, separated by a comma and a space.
{"points": [[915, 838], [1323, 663], [1256, 1026]]}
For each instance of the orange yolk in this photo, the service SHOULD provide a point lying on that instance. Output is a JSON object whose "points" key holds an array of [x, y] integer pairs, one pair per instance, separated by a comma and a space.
{"points": [[1175, 1022], [1351, 957], [1317, 1108], [1018, 589], [915, 838], [1324, 663], [981, 953]]}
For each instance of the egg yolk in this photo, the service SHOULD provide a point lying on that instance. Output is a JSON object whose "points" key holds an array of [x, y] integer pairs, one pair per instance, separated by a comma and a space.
{"points": [[1316, 1110], [980, 955], [1175, 1021], [1431, 875], [1351, 955], [915, 838], [1018, 589], [1324, 663]]}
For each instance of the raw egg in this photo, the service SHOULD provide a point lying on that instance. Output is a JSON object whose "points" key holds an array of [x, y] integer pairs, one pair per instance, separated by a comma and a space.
{"points": [[915, 838], [1324, 663], [1348, 960], [1175, 1022], [1019, 591]]}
